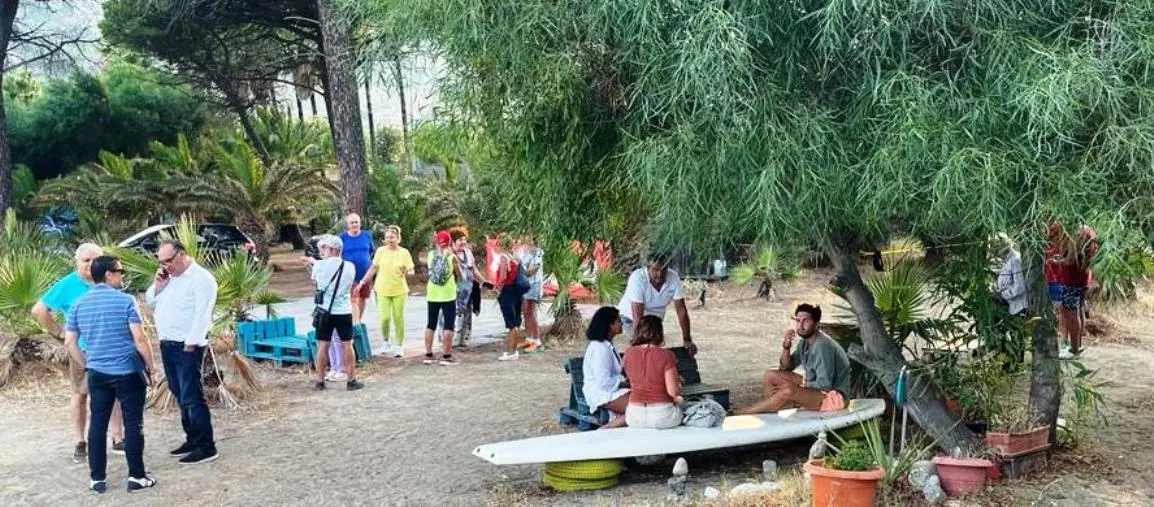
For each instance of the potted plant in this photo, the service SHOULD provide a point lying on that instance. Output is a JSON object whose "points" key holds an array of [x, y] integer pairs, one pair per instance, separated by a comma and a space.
{"points": [[1015, 430], [849, 478], [964, 473]]}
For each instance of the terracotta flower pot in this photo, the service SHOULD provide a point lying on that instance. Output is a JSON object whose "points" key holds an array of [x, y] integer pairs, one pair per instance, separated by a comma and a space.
{"points": [[962, 476], [1011, 444], [842, 488]]}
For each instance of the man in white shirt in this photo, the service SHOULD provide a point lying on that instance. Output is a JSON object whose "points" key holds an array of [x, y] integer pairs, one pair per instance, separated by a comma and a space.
{"points": [[182, 297], [649, 292]]}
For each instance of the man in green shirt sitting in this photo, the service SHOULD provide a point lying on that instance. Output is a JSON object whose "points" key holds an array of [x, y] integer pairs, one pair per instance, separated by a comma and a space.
{"points": [[826, 381]]}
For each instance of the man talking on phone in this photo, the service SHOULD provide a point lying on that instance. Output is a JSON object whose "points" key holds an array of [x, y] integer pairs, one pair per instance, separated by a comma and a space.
{"points": [[119, 367], [182, 297]]}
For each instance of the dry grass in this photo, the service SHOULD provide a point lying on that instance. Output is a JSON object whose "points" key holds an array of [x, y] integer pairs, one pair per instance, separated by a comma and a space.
{"points": [[506, 494], [794, 491]]}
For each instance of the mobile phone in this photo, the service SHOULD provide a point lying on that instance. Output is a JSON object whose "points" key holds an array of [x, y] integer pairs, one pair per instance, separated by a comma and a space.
{"points": [[165, 274]]}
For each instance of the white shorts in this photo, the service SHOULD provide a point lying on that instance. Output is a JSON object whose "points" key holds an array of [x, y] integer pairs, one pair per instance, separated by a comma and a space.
{"points": [[657, 416]]}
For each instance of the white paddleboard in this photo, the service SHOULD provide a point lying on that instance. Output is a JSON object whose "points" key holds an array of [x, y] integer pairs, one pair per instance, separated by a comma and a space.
{"points": [[632, 442]]}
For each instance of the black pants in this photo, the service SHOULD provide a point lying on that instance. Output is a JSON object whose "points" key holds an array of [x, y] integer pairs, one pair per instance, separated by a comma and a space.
{"points": [[182, 370], [104, 391], [447, 309]]}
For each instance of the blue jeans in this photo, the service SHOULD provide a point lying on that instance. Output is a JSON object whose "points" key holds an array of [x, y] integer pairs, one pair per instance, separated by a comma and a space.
{"points": [[103, 391], [182, 371]]}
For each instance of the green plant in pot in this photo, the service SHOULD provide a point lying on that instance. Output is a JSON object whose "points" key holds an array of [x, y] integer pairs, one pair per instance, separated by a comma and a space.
{"points": [[849, 478]]}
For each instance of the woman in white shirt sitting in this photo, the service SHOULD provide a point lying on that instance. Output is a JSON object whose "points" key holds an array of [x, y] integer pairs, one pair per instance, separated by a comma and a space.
{"points": [[605, 384], [334, 278]]}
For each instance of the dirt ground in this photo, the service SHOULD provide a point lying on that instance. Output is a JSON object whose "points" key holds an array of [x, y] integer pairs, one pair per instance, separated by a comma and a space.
{"points": [[407, 438]]}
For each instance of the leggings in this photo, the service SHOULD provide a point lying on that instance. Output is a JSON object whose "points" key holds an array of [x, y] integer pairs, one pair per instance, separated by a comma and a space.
{"points": [[392, 308]]}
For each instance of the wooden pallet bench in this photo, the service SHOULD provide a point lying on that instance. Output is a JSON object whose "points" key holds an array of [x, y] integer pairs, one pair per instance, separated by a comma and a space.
{"points": [[277, 340], [577, 412]]}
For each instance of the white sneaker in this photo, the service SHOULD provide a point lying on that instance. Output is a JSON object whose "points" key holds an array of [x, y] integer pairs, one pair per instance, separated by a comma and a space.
{"points": [[1065, 354], [329, 376], [397, 350], [509, 357], [336, 376]]}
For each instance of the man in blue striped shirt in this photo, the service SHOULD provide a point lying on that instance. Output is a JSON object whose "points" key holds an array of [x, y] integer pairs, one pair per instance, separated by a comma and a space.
{"points": [[119, 364]]}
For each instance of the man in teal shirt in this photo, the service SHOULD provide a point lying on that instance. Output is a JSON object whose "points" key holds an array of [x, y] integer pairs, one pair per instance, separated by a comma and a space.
{"points": [[825, 385], [59, 299]]}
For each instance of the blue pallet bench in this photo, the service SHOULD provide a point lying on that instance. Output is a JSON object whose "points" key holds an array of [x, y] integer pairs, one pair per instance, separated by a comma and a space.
{"points": [[274, 339], [691, 389], [361, 346]]}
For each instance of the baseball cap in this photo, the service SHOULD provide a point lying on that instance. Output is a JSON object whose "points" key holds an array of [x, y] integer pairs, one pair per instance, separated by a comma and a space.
{"points": [[443, 238]]}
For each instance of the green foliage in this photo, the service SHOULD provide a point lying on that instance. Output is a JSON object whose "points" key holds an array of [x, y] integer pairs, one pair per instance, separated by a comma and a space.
{"points": [[768, 265], [28, 267], [145, 107], [120, 111], [242, 282], [607, 285], [962, 282], [794, 123], [24, 186], [853, 456], [63, 128], [565, 265], [871, 450], [1086, 407], [388, 145], [21, 87], [286, 138], [983, 386]]}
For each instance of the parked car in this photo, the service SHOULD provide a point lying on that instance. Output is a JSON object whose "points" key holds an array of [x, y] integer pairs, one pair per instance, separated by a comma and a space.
{"points": [[212, 238]]}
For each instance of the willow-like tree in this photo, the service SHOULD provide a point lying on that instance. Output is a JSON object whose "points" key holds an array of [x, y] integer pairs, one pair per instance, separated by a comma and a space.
{"points": [[832, 124]]}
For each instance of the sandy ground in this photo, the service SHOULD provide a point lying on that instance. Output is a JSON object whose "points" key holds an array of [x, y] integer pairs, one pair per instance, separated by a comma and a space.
{"points": [[406, 438]]}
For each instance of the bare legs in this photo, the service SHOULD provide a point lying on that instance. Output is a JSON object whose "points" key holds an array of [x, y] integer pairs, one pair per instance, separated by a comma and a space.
{"points": [[782, 389], [617, 408]]}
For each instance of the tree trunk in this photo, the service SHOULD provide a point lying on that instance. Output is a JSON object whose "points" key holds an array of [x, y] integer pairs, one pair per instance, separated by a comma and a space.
{"points": [[1046, 380], [8, 10], [369, 109], [341, 95], [406, 135], [882, 357]]}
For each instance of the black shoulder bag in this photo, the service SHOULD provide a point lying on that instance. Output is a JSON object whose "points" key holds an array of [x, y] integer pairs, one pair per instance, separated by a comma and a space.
{"points": [[321, 315]]}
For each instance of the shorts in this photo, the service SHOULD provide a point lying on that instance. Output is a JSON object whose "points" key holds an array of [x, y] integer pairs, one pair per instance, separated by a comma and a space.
{"points": [[364, 293], [658, 416], [78, 376], [1073, 298], [1055, 290], [833, 401], [342, 324], [447, 309], [510, 302], [534, 293]]}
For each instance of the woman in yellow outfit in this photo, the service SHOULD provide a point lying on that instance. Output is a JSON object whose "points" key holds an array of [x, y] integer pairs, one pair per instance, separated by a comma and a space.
{"points": [[393, 263]]}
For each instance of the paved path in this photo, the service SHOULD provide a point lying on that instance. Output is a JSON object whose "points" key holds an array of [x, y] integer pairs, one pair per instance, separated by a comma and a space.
{"points": [[488, 327]]}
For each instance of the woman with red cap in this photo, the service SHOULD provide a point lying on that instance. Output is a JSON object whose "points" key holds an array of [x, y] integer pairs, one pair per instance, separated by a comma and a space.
{"points": [[441, 295]]}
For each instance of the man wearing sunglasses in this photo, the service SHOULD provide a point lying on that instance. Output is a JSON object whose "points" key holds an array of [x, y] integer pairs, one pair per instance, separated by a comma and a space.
{"points": [[183, 295], [119, 365]]}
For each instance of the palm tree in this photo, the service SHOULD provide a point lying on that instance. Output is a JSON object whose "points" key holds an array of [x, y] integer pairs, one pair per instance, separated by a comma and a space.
{"points": [[255, 193], [27, 270]]}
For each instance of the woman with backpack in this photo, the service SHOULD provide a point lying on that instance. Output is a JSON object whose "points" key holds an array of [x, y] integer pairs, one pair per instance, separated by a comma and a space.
{"points": [[441, 295], [511, 286]]}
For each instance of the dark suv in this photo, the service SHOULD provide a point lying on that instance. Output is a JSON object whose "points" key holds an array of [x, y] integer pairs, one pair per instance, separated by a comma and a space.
{"points": [[212, 238]]}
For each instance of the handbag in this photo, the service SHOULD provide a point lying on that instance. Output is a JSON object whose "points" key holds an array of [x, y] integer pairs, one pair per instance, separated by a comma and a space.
{"points": [[703, 413], [321, 315]]}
